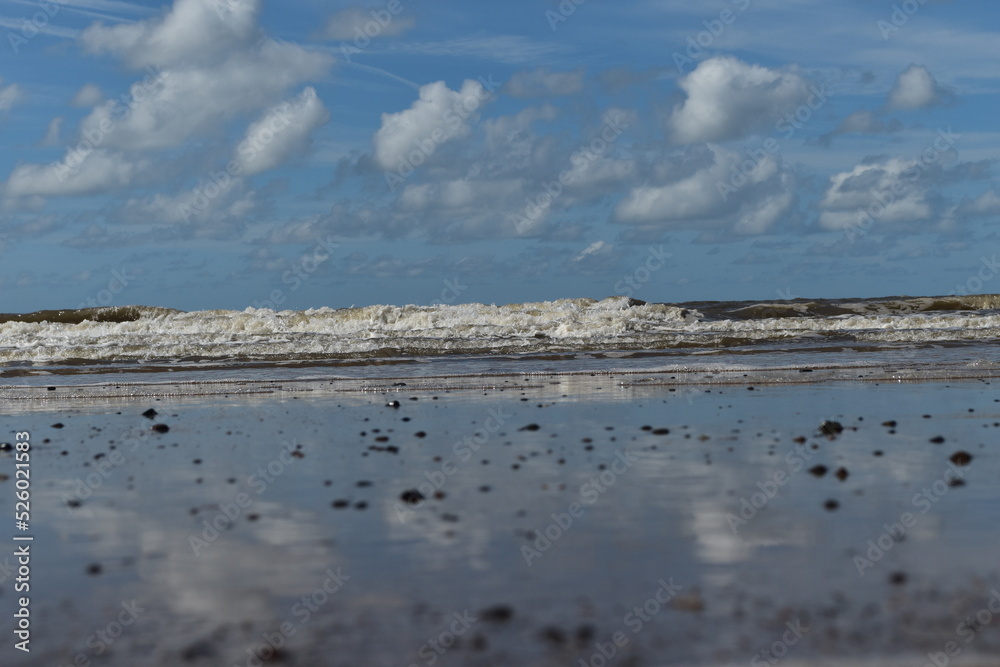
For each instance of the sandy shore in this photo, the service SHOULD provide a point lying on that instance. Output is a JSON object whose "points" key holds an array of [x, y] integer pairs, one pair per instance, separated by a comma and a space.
{"points": [[519, 521]]}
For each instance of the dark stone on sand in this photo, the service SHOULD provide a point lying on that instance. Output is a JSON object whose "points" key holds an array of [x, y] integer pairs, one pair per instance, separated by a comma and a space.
{"points": [[961, 458], [57, 425], [584, 634], [363, 483], [485, 488], [398, 384], [392, 404], [831, 505], [891, 423], [253, 516], [6, 447], [360, 505], [297, 454], [420, 434], [818, 470], [160, 428], [198, 650], [554, 635], [340, 504], [530, 427], [830, 428], [149, 414], [805, 370], [937, 440], [411, 496], [841, 474], [897, 578], [447, 516], [94, 569], [661, 431], [73, 502], [479, 643], [499, 613]]}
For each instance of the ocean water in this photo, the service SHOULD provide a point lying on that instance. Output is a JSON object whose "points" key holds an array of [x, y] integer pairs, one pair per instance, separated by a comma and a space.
{"points": [[894, 337]]}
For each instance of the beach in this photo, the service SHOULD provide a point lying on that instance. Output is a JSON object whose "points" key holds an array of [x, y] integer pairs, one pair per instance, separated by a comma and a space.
{"points": [[517, 518]]}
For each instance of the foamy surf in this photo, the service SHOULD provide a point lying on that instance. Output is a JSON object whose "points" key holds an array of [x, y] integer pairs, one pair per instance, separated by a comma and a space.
{"points": [[137, 334]]}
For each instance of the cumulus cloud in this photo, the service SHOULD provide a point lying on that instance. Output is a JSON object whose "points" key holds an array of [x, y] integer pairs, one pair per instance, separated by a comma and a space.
{"points": [[96, 171], [282, 132], [890, 187], [368, 23], [728, 99], [543, 83], [705, 194], [916, 88], [192, 32], [89, 95], [165, 109], [438, 116]]}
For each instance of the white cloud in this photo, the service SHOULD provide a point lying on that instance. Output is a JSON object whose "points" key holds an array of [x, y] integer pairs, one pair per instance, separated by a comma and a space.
{"points": [[438, 116], [89, 95], [698, 197], [98, 171], [192, 32], [888, 186], [543, 83], [51, 137], [9, 96], [916, 88], [729, 99], [167, 110], [367, 23], [283, 131]]}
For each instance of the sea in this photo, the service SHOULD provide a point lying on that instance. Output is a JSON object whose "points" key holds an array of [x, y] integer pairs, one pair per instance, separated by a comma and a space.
{"points": [[901, 338]]}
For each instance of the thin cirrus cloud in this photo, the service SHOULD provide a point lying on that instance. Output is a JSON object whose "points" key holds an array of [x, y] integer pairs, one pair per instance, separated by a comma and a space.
{"points": [[365, 23], [543, 83]]}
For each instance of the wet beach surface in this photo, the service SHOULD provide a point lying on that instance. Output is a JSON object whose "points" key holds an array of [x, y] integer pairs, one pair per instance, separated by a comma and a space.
{"points": [[532, 520]]}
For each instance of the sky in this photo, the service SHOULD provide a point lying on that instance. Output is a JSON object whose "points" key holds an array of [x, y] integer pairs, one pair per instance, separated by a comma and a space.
{"points": [[244, 153]]}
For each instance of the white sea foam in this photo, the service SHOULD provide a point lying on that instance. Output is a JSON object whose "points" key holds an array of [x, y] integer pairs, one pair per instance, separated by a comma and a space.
{"points": [[387, 331]]}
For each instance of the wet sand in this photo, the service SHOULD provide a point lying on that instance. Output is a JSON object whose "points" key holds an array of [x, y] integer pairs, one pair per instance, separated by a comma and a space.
{"points": [[512, 521]]}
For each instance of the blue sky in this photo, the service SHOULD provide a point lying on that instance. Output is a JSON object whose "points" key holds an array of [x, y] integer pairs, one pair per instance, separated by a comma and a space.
{"points": [[235, 153]]}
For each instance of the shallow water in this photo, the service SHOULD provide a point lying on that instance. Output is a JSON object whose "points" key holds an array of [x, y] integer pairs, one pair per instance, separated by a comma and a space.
{"points": [[405, 570]]}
